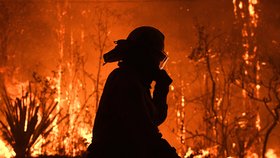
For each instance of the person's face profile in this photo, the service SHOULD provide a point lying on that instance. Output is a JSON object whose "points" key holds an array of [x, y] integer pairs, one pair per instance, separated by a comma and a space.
{"points": [[159, 58]]}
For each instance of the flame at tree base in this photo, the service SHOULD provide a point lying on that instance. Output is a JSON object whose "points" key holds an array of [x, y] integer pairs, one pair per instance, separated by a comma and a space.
{"points": [[270, 154], [6, 151], [212, 152]]}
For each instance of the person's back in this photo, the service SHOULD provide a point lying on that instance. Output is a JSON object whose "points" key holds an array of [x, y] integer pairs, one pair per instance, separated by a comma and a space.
{"points": [[127, 118]]}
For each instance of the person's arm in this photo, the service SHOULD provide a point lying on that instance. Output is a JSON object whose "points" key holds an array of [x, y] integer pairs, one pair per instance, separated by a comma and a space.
{"points": [[139, 127], [131, 96], [160, 95]]}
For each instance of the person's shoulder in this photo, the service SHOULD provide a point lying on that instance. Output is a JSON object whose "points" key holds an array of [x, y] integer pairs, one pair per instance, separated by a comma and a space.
{"points": [[123, 76], [116, 73]]}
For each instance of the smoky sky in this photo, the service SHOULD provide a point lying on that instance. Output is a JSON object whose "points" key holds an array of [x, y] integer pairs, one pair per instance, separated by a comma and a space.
{"points": [[37, 23]]}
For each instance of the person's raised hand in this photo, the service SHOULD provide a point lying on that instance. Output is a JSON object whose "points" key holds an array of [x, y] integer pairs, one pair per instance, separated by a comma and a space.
{"points": [[162, 78]]}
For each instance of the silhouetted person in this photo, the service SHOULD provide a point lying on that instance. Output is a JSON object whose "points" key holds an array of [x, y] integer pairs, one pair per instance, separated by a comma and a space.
{"points": [[128, 116]]}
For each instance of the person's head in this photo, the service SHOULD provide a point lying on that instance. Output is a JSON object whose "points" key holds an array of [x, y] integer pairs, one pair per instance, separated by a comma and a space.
{"points": [[143, 48], [147, 46]]}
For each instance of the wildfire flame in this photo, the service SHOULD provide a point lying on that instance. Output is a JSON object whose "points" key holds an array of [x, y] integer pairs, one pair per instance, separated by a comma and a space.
{"points": [[209, 152], [71, 100], [246, 14], [201, 153], [249, 24], [6, 151], [270, 154]]}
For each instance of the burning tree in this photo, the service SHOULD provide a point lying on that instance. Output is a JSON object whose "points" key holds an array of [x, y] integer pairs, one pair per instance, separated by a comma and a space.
{"points": [[102, 39], [102, 18], [28, 118], [78, 90], [234, 96], [227, 121], [240, 86], [267, 99]]}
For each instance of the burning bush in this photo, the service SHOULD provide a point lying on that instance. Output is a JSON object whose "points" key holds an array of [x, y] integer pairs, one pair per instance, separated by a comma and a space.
{"points": [[29, 117]]}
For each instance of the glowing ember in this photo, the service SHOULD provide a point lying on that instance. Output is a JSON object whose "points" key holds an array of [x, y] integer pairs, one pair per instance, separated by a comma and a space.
{"points": [[251, 155], [189, 153], [209, 152], [85, 133], [6, 151], [36, 150], [248, 26], [270, 154], [181, 117], [258, 122]]}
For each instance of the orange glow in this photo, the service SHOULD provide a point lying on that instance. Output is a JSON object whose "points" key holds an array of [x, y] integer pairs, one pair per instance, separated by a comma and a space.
{"points": [[37, 148], [251, 155], [186, 110], [86, 133], [73, 103], [252, 12], [212, 151], [248, 27], [270, 154], [258, 122], [6, 151], [181, 133], [240, 5]]}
